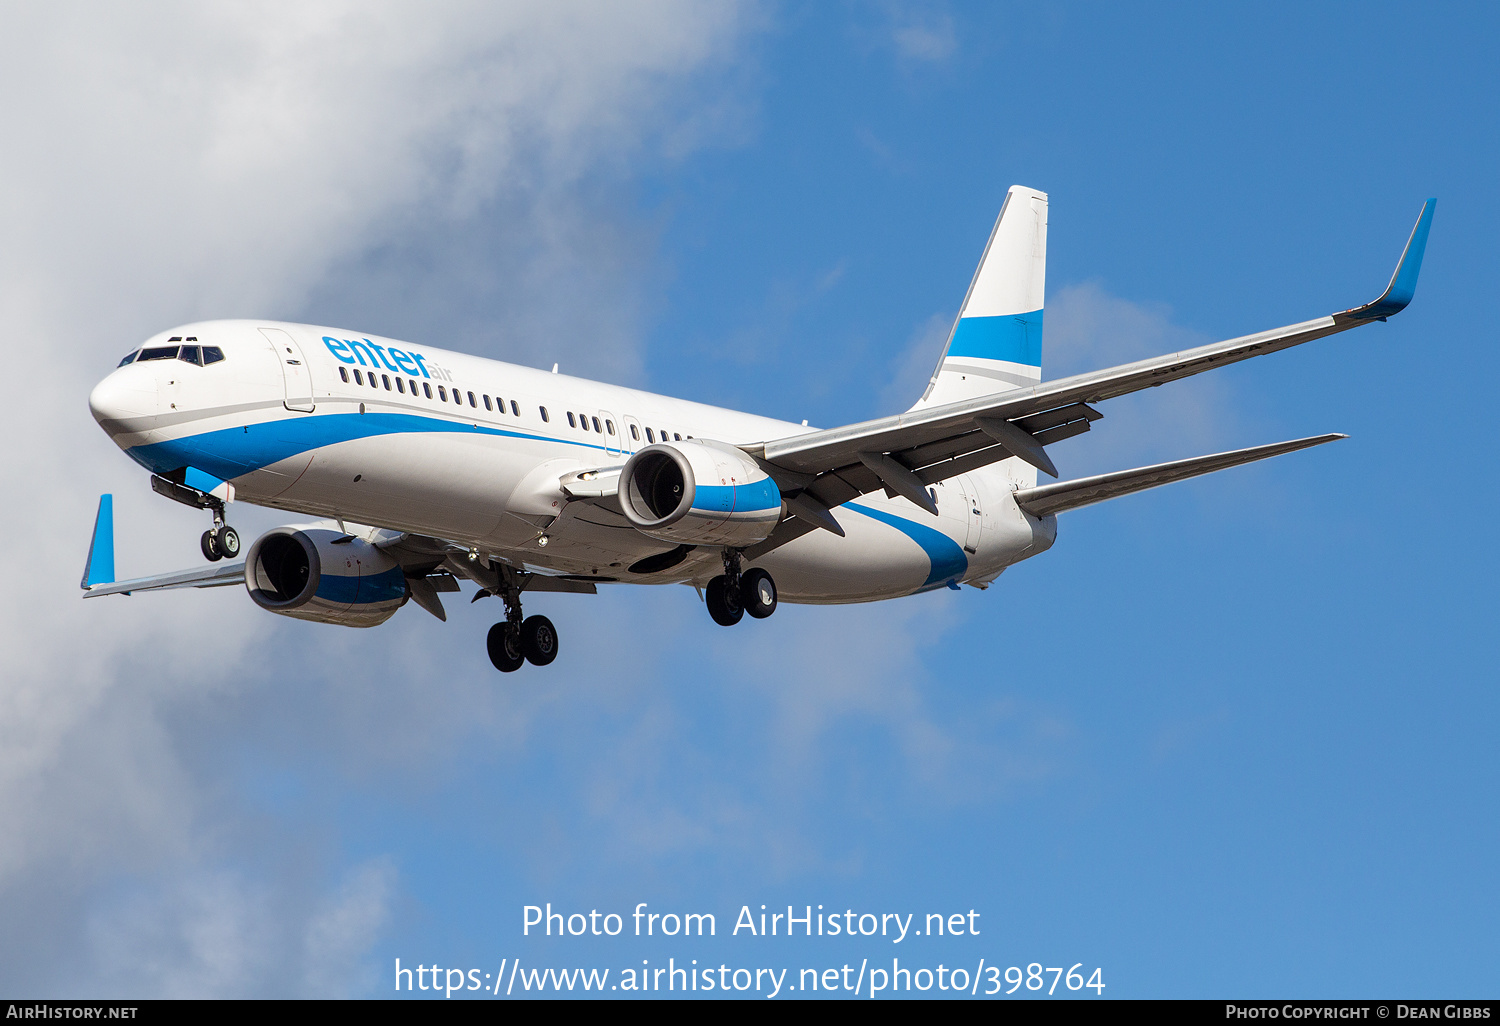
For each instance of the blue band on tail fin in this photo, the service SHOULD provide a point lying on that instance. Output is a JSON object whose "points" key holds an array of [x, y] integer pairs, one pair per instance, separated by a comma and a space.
{"points": [[1013, 337], [100, 568]]}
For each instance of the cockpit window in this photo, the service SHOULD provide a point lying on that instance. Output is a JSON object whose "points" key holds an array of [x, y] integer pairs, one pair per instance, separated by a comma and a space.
{"points": [[212, 354], [129, 358], [190, 354], [159, 353]]}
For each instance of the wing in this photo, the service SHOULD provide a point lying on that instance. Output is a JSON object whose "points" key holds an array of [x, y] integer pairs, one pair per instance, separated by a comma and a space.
{"points": [[904, 453], [215, 576]]}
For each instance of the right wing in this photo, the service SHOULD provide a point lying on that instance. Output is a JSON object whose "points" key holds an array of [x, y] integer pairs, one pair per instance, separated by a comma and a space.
{"points": [[904, 453]]}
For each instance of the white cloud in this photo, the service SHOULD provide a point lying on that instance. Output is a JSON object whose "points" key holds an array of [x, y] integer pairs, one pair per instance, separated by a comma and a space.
{"points": [[1088, 329], [923, 33], [916, 364], [172, 161]]}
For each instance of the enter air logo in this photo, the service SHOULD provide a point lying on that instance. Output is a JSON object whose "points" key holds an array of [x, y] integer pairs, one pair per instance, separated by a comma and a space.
{"points": [[365, 353]]}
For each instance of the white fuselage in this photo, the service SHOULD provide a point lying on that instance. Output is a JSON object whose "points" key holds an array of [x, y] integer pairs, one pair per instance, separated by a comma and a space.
{"points": [[462, 450]]}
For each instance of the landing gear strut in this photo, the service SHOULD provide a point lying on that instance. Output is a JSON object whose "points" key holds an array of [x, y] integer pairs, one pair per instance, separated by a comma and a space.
{"points": [[221, 541], [514, 640], [734, 593]]}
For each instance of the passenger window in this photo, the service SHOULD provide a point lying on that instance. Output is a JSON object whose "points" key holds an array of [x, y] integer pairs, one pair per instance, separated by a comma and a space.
{"points": [[129, 358], [158, 353], [650, 435], [427, 389], [373, 382], [472, 401], [676, 438], [344, 374], [571, 421], [487, 405], [442, 392], [190, 355], [400, 387], [515, 407], [609, 426], [458, 398], [596, 425], [499, 405], [386, 380], [212, 354], [413, 382], [359, 379], [544, 413], [634, 433]]}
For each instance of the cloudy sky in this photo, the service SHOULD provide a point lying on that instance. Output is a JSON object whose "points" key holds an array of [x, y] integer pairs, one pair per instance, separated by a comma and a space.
{"points": [[1231, 737]]}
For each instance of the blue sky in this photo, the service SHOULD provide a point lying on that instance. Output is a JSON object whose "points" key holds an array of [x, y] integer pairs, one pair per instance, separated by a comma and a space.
{"points": [[1232, 737]]}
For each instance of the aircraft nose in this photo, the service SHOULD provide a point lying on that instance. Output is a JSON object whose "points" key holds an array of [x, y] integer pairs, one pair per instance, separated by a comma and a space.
{"points": [[121, 398]]}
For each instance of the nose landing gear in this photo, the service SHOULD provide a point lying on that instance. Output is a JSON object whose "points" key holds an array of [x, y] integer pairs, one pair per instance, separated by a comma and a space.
{"points": [[733, 594], [220, 541]]}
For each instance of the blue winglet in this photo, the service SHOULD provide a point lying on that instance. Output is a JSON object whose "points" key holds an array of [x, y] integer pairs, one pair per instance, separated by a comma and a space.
{"points": [[1404, 282], [100, 569]]}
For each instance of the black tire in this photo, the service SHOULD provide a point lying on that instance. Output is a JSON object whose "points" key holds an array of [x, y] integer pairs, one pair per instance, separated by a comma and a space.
{"points": [[723, 602], [539, 640], [229, 541], [758, 593], [209, 543], [504, 646]]}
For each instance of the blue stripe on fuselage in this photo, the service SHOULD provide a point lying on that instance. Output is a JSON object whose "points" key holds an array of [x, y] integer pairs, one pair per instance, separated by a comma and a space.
{"points": [[232, 452], [949, 564]]}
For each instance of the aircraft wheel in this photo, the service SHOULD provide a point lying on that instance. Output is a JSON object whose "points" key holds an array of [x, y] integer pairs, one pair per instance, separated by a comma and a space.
{"points": [[539, 640], [724, 603], [228, 541], [758, 593], [504, 645], [209, 543]]}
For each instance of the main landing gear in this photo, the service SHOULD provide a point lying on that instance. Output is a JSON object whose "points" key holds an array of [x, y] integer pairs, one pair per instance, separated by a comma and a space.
{"points": [[514, 641], [220, 541], [733, 594]]}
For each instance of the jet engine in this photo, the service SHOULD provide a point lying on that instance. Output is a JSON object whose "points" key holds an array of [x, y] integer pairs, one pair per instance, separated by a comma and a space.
{"points": [[699, 493], [317, 574]]}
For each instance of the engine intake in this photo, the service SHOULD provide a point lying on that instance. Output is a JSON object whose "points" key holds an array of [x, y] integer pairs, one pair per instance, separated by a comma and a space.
{"points": [[699, 493], [316, 574]]}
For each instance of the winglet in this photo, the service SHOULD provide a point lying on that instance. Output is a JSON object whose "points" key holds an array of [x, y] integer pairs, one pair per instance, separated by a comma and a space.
{"points": [[100, 568], [1404, 282]]}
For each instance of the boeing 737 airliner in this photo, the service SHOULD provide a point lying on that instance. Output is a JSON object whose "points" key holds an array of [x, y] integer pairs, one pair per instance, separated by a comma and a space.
{"points": [[428, 467]]}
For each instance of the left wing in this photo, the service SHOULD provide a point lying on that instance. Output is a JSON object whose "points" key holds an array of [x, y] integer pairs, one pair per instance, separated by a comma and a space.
{"points": [[99, 571], [215, 576], [905, 453]]}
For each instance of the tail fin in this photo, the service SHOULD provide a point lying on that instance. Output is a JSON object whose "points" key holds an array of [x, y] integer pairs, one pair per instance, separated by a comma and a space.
{"points": [[996, 343]]}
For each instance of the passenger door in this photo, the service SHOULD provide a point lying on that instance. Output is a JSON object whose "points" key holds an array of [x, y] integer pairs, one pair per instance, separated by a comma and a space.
{"points": [[295, 373], [612, 428]]}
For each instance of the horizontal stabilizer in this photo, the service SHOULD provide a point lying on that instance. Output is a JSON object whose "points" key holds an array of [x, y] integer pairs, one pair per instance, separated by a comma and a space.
{"points": [[1046, 500]]}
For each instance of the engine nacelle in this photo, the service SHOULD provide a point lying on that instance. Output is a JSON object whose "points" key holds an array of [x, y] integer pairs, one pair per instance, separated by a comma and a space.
{"points": [[316, 574], [699, 493]]}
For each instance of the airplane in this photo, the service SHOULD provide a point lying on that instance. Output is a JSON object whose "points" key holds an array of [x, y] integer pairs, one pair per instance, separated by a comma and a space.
{"points": [[428, 467]]}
